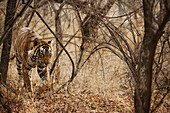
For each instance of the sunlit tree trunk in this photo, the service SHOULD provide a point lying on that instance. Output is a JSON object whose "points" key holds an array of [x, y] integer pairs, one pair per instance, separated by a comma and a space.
{"points": [[58, 33]]}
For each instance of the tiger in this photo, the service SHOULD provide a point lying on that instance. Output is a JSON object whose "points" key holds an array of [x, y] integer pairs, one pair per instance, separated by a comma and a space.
{"points": [[30, 52]]}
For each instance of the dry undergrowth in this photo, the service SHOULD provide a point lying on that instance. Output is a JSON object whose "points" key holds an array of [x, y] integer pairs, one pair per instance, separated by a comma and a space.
{"points": [[96, 88]]}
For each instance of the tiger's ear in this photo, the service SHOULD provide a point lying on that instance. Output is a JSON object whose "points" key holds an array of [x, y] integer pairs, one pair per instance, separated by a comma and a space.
{"points": [[51, 42], [36, 42]]}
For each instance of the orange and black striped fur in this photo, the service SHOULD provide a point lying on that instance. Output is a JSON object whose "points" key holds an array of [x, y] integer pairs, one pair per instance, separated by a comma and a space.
{"points": [[31, 51]]}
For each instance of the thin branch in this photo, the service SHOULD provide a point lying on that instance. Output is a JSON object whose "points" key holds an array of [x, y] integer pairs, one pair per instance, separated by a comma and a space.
{"points": [[159, 32], [57, 41], [30, 19], [161, 101], [14, 21], [53, 66]]}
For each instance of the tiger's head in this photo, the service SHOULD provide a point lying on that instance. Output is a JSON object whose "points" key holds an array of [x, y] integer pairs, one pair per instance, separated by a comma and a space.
{"points": [[41, 52]]}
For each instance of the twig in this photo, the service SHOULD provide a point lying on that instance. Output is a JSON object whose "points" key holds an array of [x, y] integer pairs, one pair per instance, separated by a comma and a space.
{"points": [[57, 41], [30, 19], [161, 101]]}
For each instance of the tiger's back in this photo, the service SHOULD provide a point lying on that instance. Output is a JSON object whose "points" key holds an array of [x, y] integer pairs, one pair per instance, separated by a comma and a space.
{"points": [[24, 43]]}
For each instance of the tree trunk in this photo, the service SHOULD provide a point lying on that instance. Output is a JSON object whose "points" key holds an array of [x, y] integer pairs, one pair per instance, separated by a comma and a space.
{"points": [[10, 12], [144, 79], [142, 97], [59, 35]]}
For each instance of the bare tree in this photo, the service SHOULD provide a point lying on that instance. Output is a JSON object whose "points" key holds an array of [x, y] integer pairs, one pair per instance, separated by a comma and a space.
{"points": [[141, 66], [10, 12], [139, 58], [150, 40]]}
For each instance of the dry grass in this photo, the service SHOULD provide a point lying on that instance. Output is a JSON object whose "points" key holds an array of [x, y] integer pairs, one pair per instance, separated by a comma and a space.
{"points": [[95, 89]]}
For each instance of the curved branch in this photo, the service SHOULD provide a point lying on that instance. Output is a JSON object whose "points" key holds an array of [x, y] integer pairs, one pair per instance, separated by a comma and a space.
{"points": [[72, 62]]}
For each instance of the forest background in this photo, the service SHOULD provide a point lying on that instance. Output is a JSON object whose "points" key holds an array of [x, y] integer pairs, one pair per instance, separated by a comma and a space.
{"points": [[108, 56]]}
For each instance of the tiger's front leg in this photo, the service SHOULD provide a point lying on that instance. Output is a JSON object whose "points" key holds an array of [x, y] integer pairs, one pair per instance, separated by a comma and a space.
{"points": [[26, 77], [42, 71]]}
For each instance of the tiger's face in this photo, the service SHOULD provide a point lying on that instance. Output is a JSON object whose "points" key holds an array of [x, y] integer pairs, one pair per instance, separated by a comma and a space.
{"points": [[44, 56], [41, 52]]}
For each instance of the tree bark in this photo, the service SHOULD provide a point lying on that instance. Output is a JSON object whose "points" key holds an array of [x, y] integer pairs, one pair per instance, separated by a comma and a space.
{"points": [[58, 49], [144, 80], [151, 37], [10, 12]]}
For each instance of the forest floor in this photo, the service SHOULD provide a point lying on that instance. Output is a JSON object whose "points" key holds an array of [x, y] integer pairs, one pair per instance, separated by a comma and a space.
{"points": [[92, 91], [88, 93], [77, 100]]}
